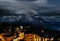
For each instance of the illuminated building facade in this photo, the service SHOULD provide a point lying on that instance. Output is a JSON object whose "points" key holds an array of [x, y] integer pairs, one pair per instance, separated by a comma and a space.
{"points": [[20, 34], [34, 37]]}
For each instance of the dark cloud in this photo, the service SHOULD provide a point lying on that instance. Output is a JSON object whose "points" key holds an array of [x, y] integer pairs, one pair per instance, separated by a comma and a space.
{"points": [[26, 0], [22, 10]]}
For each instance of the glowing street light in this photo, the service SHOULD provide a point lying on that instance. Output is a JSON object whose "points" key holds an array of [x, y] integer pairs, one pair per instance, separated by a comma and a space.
{"points": [[42, 31], [21, 27]]}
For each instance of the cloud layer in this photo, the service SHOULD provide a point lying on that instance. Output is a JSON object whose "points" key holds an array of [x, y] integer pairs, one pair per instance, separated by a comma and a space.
{"points": [[25, 7], [35, 6], [26, 11], [21, 7]]}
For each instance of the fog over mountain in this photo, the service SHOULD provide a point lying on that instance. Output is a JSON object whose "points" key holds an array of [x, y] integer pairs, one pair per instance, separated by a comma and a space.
{"points": [[29, 11]]}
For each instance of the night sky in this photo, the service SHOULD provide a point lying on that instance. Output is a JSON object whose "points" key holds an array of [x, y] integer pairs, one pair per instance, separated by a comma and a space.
{"points": [[30, 11]]}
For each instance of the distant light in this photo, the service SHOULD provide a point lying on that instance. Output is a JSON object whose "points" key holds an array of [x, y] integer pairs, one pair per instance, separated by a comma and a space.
{"points": [[21, 27], [17, 28], [42, 31], [52, 38]]}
